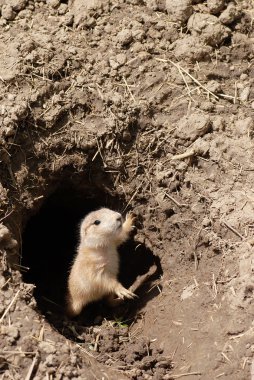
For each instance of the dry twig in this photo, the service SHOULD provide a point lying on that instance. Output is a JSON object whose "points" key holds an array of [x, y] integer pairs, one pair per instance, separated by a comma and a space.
{"points": [[174, 201], [233, 230], [187, 154]]}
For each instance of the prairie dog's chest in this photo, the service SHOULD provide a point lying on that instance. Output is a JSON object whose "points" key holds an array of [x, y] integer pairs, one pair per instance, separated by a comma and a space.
{"points": [[111, 259]]}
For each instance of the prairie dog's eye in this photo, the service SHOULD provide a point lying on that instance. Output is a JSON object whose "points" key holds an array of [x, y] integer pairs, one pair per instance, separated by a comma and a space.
{"points": [[97, 222]]}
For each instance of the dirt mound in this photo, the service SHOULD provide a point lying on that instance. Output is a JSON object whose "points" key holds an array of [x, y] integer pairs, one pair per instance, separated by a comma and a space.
{"points": [[134, 105]]}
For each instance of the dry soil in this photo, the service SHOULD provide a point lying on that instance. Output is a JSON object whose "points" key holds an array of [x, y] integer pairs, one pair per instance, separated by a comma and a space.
{"points": [[144, 106]]}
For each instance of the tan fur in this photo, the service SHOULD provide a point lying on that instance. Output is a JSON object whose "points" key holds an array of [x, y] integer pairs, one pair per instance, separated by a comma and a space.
{"points": [[95, 269]]}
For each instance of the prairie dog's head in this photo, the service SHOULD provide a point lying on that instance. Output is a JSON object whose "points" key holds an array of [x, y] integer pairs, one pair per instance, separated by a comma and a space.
{"points": [[99, 228]]}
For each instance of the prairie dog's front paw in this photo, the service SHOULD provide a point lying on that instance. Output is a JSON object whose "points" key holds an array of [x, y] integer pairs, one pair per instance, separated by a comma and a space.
{"points": [[122, 293], [129, 221]]}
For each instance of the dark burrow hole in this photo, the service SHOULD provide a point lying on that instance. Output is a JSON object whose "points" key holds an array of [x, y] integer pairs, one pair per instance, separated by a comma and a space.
{"points": [[50, 239]]}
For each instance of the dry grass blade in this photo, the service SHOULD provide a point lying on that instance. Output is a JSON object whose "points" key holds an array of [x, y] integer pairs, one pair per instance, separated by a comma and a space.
{"points": [[186, 84], [9, 306], [189, 75], [226, 357], [18, 352], [96, 342], [128, 88], [186, 374], [85, 351], [6, 282], [30, 371], [133, 196], [194, 79], [6, 216]]}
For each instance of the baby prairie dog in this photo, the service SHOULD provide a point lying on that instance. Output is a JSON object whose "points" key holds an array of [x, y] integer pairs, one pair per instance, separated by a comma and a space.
{"points": [[95, 269]]}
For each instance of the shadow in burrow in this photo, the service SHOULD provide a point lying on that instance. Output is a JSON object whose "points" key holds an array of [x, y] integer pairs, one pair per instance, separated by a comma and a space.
{"points": [[50, 239]]}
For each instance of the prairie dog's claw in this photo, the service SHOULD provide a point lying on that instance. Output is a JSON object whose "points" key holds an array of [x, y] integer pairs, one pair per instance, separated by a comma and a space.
{"points": [[125, 293], [130, 218]]}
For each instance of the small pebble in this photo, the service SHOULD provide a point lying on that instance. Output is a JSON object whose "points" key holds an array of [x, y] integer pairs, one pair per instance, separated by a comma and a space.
{"points": [[8, 13], [124, 37]]}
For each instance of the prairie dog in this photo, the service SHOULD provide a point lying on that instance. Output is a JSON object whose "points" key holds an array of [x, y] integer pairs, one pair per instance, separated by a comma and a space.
{"points": [[94, 271]]}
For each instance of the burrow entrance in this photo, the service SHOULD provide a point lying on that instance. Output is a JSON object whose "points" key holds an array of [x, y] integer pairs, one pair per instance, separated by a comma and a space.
{"points": [[50, 239]]}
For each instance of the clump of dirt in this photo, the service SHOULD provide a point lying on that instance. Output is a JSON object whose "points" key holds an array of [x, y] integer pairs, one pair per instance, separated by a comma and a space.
{"points": [[137, 106]]}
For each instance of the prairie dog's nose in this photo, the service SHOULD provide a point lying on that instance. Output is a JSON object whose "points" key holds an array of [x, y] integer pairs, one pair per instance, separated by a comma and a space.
{"points": [[119, 219]]}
